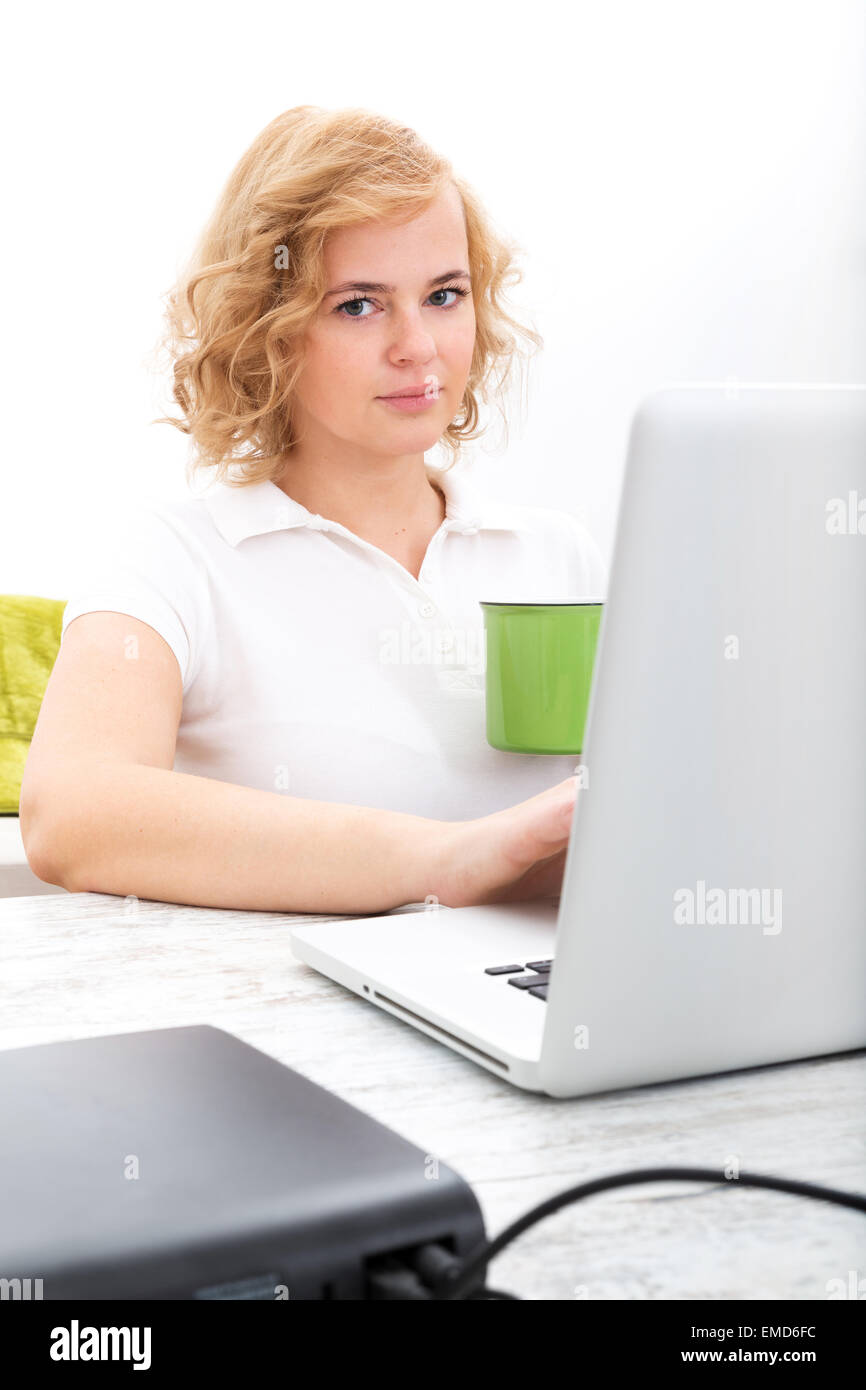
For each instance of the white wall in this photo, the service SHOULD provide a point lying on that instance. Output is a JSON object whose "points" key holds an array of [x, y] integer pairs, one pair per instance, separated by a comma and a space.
{"points": [[687, 177]]}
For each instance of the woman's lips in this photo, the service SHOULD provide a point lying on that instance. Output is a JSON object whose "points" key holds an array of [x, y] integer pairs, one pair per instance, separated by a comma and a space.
{"points": [[408, 404]]}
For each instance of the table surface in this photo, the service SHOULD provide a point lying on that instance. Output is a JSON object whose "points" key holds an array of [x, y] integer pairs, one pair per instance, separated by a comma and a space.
{"points": [[75, 965]]}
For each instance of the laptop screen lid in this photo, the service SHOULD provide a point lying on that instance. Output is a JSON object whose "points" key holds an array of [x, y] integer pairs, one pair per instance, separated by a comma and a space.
{"points": [[713, 899]]}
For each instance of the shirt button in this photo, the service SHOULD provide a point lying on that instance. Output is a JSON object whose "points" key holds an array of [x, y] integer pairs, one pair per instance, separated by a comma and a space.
{"points": [[426, 610], [446, 642]]}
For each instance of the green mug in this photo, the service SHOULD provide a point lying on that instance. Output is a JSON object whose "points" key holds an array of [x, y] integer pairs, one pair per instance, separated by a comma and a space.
{"points": [[539, 660]]}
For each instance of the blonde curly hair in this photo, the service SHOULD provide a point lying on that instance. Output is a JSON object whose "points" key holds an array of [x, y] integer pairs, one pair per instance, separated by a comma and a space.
{"points": [[237, 315]]}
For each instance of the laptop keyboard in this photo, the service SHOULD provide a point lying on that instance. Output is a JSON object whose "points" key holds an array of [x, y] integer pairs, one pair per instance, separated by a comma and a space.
{"points": [[535, 983]]}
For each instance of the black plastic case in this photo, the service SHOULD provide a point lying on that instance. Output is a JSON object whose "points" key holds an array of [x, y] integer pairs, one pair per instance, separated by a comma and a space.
{"points": [[181, 1163]]}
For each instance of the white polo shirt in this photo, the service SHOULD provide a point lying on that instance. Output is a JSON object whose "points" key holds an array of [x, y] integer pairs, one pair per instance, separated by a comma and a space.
{"points": [[315, 665]]}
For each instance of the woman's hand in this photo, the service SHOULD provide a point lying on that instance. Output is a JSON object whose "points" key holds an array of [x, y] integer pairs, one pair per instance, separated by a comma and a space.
{"points": [[511, 856]]}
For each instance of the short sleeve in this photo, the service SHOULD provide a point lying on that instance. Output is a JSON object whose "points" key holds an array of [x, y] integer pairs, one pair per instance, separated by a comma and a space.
{"points": [[147, 567]]}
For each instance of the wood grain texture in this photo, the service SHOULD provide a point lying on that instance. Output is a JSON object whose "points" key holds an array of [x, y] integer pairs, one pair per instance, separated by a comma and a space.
{"points": [[77, 965]]}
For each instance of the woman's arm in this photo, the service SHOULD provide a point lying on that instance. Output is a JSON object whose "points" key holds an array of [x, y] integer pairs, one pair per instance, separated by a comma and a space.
{"points": [[102, 809], [169, 836]]}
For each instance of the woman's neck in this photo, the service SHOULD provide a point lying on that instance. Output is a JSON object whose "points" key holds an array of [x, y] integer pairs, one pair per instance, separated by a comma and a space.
{"points": [[398, 510]]}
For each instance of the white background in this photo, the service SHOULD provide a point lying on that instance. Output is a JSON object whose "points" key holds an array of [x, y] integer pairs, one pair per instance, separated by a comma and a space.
{"points": [[687, 182]]}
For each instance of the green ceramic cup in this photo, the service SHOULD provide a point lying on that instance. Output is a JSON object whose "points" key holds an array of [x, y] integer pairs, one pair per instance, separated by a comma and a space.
{"points": [[539, 663]]}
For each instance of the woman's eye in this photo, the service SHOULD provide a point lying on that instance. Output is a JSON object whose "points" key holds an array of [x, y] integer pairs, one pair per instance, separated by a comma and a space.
{"points": [[348, 304], [450, 289]]}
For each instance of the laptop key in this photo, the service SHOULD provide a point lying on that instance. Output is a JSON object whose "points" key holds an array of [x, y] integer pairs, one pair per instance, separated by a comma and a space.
{"points": [[502, 969], [539, 964], [523, 981], [540, 991]]}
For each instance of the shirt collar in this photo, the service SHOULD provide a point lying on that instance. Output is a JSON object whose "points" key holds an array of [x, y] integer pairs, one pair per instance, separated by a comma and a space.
{"points": [[258, 508]]}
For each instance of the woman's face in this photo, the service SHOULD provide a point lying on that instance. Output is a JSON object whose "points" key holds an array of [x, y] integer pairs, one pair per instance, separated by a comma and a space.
{"points": [[364, 344]]}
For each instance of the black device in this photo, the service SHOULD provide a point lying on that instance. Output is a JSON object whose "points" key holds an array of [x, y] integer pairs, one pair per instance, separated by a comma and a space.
{"points": [[182, 1163]]}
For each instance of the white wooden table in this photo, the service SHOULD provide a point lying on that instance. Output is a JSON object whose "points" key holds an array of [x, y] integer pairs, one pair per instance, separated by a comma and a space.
{"points": [[77, 965]]}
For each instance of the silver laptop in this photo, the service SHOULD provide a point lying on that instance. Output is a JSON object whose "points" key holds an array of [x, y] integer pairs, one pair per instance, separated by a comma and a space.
{"points": [[713, 907]]}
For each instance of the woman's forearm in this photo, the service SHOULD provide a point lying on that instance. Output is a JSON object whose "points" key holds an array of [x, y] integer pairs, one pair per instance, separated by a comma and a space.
{"points": [[131, 829]]}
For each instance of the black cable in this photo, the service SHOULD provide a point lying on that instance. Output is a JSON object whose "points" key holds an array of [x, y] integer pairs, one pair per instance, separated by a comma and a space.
{"points": [[449, 1277]]}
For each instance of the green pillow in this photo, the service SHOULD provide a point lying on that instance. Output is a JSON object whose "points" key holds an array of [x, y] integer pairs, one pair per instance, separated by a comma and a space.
{"points": [[29, 643]]}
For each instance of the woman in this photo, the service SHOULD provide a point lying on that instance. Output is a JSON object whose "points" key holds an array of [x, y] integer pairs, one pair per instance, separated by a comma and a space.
{"points": [[272, 694]]}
